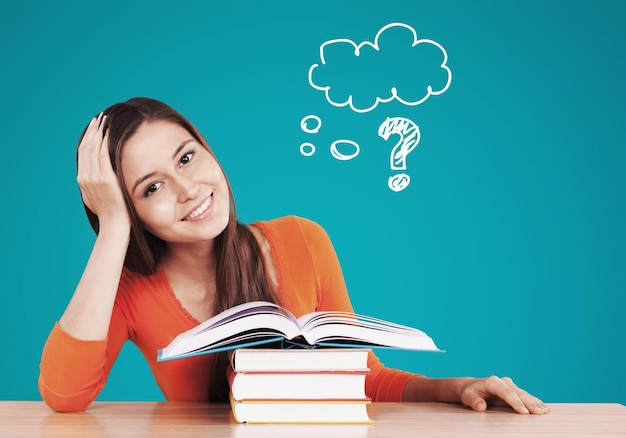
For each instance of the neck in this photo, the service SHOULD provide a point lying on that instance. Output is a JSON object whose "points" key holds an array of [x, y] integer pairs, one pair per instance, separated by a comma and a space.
{"points": [[194, 263], [190, 254], [191, 275]]}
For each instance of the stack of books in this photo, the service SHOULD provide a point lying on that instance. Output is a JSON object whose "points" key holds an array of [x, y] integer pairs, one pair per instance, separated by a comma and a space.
{"points": [[299, 385], [321, 380]]}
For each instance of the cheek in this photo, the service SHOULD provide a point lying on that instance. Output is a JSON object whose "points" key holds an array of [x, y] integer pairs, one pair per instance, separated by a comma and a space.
{"points": [[153, 214]]}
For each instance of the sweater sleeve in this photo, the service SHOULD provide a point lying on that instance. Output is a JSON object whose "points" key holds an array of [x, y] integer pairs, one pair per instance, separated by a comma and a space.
{"points": [[382, 384], [73, 371]]}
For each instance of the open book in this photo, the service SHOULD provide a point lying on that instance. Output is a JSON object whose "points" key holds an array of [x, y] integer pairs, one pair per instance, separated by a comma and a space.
{"points": [[259, 322]]}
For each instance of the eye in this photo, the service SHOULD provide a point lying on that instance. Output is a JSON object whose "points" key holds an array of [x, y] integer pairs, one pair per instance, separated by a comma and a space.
{"points": [[151, 189], [187, 157]]}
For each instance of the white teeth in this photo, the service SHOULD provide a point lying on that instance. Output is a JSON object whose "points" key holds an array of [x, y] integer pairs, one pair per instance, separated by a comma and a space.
{"points": [[198, 211]]}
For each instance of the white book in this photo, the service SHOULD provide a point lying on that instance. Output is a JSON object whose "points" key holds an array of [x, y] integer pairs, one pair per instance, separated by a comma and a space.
{"points": [[279, 430], [299, 359], [300, 412], [298, 386]]}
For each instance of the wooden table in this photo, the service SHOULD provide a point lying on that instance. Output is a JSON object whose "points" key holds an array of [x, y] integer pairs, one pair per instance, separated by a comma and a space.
{"points": [[396, 420]]}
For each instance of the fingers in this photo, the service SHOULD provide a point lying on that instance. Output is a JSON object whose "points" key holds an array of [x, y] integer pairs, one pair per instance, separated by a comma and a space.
{"points": [[93, 131], [530, 403], [92, 141], [478, 404], [94, 164], [495, 390], [87, 163], [475, 394], [506, 391], [105, 161]]}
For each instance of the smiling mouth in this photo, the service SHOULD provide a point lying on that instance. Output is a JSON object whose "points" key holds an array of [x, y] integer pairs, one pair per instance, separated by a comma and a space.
{"points": [[201, 209]]}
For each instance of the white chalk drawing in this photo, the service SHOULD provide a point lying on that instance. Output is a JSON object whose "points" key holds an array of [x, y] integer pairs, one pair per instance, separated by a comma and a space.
{"points": [[344, 66], [315, 129], [307, 149], [334, 151], [409, 134], [399, 182], [393, 93]]}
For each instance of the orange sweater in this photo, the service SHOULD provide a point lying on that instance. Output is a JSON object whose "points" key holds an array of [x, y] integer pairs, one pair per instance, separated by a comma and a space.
{"points": [[146, 311]]}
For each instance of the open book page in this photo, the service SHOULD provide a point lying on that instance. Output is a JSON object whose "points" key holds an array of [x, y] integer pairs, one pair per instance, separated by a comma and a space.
{"points": [[330, 328], [244, 325], [241, 311]]}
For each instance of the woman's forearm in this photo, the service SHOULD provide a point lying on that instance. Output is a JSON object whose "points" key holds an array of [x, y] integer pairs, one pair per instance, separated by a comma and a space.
{"points": [[88, 313]]}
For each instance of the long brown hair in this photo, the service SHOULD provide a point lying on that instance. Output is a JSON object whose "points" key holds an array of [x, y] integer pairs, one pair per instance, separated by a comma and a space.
{"points": [[240, 271]]}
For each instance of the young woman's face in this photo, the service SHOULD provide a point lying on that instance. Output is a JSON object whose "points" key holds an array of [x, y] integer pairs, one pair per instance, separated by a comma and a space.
{"points": [[176, 186]]}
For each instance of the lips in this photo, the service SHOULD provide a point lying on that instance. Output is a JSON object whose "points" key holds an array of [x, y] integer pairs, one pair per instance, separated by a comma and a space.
{"points": [[199, 209]]}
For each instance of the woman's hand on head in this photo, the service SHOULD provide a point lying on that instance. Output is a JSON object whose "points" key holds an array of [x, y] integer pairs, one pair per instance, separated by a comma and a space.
{"points": [[98, 183], [479, 393]]}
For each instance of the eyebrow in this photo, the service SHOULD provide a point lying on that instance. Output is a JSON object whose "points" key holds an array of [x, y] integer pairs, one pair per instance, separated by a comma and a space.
{"points": [[151, 174]]}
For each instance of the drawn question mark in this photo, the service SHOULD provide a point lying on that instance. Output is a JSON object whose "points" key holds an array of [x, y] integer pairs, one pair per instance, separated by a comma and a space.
{"points": [[409, 134]]}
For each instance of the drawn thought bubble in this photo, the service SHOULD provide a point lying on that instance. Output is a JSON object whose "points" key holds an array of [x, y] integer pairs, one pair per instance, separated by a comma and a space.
{"points": [[396, 65]]}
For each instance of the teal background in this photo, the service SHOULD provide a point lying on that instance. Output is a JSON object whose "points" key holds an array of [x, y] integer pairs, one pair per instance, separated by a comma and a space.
{"points": [[508, 247]]}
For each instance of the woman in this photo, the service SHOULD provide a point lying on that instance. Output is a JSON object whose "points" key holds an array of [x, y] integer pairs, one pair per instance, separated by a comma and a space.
{"points": [[170, 253]]}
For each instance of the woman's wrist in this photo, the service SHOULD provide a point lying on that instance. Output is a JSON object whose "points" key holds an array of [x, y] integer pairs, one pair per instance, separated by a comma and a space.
{"points": [[115, 224], [427, 389]]}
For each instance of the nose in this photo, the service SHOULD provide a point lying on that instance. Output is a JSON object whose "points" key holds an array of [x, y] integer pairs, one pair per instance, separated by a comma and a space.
{"points": [[188, 189]]}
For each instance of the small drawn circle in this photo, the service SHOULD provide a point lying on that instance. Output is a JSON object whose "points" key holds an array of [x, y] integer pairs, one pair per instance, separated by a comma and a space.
{"points": [[307, 149], [313, 130], [399, 182], [341, 156]]}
